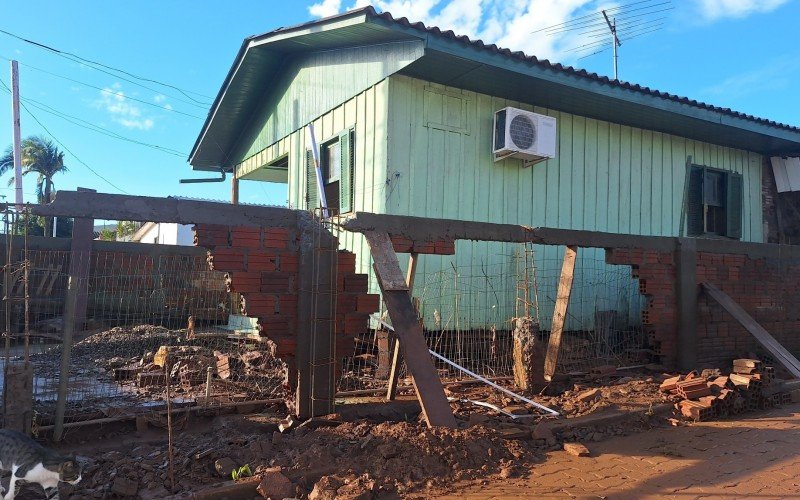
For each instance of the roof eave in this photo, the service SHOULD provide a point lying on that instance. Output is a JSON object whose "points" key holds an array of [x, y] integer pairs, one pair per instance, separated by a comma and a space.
{"points": [[333, 22]]}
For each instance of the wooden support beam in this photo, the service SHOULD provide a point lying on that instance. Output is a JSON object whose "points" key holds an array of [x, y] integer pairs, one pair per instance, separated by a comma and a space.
{"points": [[430, 392], [560, 312], [234, 189], [151, 209], [394, 371], [784, 357]]}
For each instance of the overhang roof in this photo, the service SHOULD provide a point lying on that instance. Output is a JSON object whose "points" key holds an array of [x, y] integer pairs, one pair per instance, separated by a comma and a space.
{"points": [[473, 65]]}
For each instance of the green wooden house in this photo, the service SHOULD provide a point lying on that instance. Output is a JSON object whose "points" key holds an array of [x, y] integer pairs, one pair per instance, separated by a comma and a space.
{"points": [[404, 115]]}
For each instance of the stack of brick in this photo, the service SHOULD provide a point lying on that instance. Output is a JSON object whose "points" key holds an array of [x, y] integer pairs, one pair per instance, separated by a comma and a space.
{"points": [[750, 386], [657, 282], [262, 266]]}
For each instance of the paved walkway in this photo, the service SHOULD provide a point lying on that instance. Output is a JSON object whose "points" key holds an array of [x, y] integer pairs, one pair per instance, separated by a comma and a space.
{"points": [[756, 456]]}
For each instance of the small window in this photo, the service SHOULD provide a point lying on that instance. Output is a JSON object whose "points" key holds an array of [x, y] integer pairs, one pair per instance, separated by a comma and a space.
{"points": [[714, 202], [337, 164]]}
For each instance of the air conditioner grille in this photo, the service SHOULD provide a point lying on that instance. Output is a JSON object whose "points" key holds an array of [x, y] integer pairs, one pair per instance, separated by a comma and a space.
{"points": [[522, 132]]}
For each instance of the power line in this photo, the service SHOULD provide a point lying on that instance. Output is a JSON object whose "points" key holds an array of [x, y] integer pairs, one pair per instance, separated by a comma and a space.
{"points": [[100, 130], [590, 19], [94, 127], [107, 91], [95, 172], [73, 56]]}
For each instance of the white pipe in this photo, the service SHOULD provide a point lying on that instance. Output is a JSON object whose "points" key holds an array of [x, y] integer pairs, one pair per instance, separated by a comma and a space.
{"points": [[323, 200], [16, 135], [489, 382]]}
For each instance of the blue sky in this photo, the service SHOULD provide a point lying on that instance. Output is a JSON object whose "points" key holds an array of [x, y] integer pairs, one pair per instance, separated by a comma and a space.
{"points": [[732, 53]]}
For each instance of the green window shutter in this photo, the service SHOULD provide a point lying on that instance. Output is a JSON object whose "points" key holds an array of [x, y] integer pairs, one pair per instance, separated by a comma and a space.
{"points": [[733, 206], [346, 176], [694, 209], [312, 198]]}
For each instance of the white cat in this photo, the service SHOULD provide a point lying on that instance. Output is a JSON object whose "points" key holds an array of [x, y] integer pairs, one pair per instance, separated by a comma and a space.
{"points": [[31, 462]]}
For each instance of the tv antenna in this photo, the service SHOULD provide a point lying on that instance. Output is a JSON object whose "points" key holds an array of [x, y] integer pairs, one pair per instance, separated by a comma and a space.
{"points": [[612, 26], [625, 22]]}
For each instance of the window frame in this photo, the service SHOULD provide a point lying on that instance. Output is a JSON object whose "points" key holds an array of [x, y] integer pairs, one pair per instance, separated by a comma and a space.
{"points": [[698, 198]]}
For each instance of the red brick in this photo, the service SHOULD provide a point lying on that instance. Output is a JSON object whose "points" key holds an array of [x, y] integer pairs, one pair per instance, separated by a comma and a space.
{"points": [[368, 303], [277, 282], [402, 244]]}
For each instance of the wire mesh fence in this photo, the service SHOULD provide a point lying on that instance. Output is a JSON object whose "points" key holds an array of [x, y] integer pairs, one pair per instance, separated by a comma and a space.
{"points": [[150, 320], [468, 304]]}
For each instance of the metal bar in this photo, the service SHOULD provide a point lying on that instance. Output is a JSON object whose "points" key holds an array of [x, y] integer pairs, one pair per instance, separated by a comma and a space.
{"points": [[492, 384]]}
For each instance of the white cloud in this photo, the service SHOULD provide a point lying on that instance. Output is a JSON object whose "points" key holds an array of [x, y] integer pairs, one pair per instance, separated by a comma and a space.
{"points": [[122, 111], [325, 8], [507, 23], [713, 10], [159, 98]]}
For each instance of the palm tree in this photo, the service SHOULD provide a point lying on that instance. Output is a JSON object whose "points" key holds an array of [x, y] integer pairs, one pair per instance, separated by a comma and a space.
{"points": [[42, 157]]}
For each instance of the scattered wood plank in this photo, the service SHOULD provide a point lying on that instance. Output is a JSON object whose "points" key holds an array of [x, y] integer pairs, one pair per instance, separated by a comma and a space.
{"points": [[560, 313], [780, 353]]}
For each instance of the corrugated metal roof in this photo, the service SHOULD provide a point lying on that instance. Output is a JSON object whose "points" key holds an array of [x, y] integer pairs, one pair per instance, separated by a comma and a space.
{"points": [[489, 69], [544, 63]]}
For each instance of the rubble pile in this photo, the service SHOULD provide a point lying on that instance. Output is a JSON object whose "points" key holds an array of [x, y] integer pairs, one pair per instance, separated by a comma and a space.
{"points": [[751, 385]]}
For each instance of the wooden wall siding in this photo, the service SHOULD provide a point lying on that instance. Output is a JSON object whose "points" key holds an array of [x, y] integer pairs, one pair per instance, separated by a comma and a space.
{"points": [[366, 113], [315, 83], [606, 177]]}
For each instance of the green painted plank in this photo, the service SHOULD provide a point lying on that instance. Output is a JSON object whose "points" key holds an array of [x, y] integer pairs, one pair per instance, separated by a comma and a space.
{"points": [[614, 184], [602, 193], [625, 180]]}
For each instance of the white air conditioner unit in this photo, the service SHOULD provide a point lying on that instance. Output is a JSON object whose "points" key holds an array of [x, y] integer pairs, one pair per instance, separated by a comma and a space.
{"points": [[523, 134]]}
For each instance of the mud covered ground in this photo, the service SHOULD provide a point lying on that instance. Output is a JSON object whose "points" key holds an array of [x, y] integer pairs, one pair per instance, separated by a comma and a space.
{"points": [[349, 455]]}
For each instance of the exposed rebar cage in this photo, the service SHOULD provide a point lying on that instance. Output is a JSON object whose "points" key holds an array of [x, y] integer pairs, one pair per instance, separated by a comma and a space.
{"points": [[468, 313]]}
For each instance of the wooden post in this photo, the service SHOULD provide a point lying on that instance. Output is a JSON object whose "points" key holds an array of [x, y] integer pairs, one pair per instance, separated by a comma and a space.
{"points": [[560, 312], [234, 189], [430, 392], [394, 371]]}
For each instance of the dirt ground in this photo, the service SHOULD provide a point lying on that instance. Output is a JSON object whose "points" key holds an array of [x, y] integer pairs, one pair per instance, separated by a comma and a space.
{"points": [[754, 455], [356, 453], [374, 450]]}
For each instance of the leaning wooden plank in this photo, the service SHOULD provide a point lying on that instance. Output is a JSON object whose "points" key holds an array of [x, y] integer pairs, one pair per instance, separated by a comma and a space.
{"points": [[394, 371], [435, 407], [560, 313], [783, 356]]}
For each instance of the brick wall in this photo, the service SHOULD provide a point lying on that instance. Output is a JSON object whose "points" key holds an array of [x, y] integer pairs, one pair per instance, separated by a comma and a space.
{"points": [[768, 289], [262, 265]]}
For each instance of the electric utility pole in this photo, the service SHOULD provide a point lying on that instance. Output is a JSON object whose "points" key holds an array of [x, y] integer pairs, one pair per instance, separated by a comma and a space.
{"points": [[15, 128], [612, 25]]}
